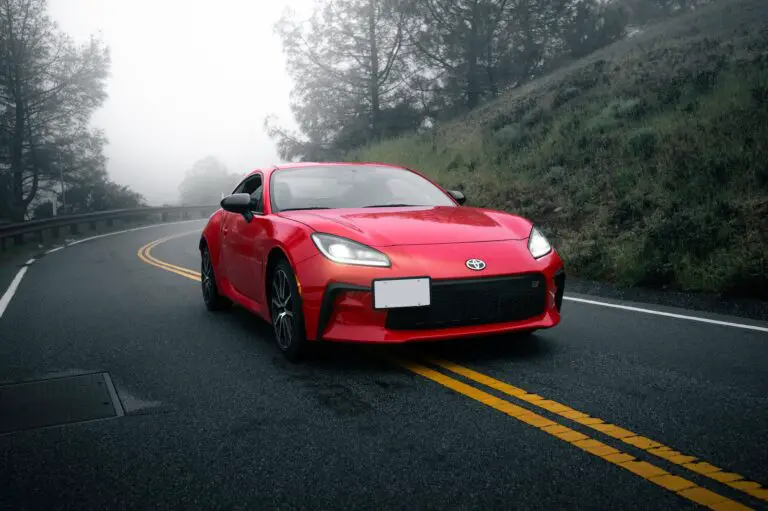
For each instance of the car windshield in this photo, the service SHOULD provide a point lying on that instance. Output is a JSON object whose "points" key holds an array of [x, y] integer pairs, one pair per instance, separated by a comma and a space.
{"points": [[352, 186]]}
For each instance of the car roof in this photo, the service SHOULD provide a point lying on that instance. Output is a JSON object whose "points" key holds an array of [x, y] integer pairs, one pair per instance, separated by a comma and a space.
{"points": [[332, 164]]}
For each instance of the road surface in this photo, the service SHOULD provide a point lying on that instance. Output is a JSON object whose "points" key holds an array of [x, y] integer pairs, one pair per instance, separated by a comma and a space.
{"points": [[182, 408]]}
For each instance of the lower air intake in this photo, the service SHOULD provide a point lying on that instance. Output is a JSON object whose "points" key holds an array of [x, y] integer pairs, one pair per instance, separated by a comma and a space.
{"points": [[468, 302]]}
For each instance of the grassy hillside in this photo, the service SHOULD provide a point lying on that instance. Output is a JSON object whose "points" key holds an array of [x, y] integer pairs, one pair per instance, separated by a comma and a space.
{"points": [[647, 162]]}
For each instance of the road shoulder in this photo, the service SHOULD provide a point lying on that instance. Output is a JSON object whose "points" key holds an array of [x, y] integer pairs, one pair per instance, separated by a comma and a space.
{"points": [[700, 302]]}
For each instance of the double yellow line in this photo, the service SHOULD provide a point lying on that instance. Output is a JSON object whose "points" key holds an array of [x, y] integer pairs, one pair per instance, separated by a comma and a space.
{"points": [[145, 255], [679, 485]]}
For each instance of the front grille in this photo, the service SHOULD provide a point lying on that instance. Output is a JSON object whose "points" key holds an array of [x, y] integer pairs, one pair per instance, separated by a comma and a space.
{"points": [[468, 302]]}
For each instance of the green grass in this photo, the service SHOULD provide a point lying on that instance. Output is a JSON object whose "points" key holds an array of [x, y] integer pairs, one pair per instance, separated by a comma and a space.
{"points": [[645, 162]]}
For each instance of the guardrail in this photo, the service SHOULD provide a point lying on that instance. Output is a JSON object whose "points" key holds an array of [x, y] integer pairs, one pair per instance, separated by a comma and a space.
{"points": [[20, 232]]}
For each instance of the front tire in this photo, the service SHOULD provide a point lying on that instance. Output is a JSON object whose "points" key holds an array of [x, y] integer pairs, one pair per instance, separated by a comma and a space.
{"points": [[213, 300], [286, 312]]}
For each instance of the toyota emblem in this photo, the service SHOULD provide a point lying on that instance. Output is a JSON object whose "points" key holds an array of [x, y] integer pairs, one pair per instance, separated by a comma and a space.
{"points": [[475, 264]]}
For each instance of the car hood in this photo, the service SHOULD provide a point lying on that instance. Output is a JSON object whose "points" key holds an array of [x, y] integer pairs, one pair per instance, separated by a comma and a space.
{"points": [[381, 227]]}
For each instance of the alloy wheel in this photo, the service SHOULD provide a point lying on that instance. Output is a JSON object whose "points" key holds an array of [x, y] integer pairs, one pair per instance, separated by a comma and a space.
{"points": [[207, 277], [282, 309]]}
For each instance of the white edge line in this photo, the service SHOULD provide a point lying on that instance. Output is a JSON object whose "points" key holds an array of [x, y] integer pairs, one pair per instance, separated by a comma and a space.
{"points": [[113, 394], [6, 298], [52, 250], [15, 284], [76, 242], [668, 314], [87, 239], [611, 305]]}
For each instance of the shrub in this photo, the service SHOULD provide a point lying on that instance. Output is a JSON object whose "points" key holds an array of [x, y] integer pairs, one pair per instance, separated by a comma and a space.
{"points": [[642, 142], [648, 169]]}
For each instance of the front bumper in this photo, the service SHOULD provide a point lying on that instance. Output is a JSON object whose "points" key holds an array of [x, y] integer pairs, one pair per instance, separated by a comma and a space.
{"points": [[338, 300]]}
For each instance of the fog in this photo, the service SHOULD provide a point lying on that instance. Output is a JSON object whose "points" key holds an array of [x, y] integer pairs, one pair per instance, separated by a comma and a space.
{"points": [[188, 79]]}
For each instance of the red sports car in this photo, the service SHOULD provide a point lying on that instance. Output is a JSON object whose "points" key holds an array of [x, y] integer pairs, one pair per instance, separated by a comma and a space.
{"points": [[363, 252]]}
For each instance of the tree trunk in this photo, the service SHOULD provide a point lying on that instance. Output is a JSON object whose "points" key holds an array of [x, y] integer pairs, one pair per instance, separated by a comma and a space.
{"points": [[473, 92], [26, 201], [17, 161], [374, 78], [16, 142], [490, 67]]}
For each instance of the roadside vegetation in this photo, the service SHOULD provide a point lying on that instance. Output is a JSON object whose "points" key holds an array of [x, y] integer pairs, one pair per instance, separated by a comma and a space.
{"points": [[643, 160], [646, 161], [50, 86]]}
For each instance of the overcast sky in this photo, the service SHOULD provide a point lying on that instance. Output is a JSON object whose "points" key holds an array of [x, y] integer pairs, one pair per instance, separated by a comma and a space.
{"points": [[189, 78]]}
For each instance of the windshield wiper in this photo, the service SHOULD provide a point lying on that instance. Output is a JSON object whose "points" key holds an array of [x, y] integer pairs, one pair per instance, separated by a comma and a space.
{"points": [[393, 206]]}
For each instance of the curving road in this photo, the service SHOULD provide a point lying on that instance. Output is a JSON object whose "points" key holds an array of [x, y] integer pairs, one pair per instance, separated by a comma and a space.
{"points": [[175, 407]]}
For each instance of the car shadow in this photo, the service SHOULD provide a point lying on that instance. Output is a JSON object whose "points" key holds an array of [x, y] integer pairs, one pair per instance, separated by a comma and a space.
{"points": [[482, 349], [335, 356], [320, 356]]}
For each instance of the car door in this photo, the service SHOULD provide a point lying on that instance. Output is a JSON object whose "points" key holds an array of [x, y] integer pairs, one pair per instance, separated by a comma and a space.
{"points": [[228, 263], [227, 254], [246, 243]]}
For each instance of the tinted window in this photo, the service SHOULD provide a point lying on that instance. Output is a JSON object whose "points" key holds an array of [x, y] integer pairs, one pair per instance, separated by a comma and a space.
{"points": [[252, 186], [249, 185], [352, 187]]}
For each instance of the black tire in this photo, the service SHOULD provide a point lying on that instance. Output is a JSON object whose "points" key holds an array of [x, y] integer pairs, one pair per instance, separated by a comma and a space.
{"points": [[286, 312], [213, 300]]}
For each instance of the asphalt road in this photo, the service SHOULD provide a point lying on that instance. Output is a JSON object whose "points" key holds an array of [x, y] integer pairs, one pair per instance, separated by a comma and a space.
{"points": [[214, 417]]}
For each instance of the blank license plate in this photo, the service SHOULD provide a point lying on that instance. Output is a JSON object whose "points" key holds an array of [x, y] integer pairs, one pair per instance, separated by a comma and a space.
{"points": [[393, 294]]}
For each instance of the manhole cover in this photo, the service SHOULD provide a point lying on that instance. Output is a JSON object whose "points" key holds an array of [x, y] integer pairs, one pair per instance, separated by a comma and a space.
{"points": [[57, 401]]}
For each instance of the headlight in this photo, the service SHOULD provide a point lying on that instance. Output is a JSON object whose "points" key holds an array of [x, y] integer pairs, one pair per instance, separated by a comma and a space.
{"points": [[538, 245], [344, 251]]}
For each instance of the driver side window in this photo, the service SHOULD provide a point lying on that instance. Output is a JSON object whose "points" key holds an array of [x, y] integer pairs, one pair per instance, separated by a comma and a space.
{"points": [[252, 186], [256, 200]]}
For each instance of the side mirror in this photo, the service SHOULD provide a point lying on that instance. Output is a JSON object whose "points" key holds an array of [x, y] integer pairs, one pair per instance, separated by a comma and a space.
{"points": [[237, 203], [458, 196]]}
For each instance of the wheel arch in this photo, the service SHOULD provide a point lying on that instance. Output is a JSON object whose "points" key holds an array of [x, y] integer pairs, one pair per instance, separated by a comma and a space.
{"points": [[205, 244], [275, 255], [210, 237]]}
